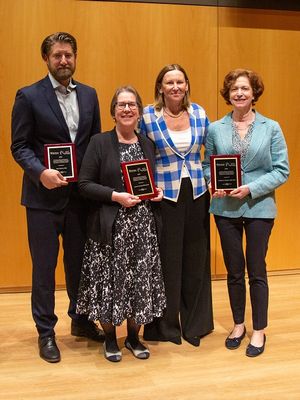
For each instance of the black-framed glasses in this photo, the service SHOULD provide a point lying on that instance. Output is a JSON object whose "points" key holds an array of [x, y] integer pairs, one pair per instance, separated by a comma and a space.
{"points": [[122, 105]]}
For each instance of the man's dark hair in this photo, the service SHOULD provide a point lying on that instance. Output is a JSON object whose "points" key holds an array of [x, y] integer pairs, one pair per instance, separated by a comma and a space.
{"points": [[50, 40]]}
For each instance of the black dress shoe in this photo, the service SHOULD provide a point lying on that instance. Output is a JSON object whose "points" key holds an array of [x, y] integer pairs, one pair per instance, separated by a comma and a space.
{"points": [[156, 337], [87, 329], [234, 343], [253, 351], [49, 350], [194, 340], [175, 340]]}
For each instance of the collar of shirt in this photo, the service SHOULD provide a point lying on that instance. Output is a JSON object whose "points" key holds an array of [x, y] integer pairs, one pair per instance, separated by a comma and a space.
{"points": [[62, 89], [67, 99]]}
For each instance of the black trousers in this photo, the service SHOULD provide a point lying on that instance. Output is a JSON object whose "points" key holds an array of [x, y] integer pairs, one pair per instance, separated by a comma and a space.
{"points": [[257, 231], [185, 256], [44, 229]]}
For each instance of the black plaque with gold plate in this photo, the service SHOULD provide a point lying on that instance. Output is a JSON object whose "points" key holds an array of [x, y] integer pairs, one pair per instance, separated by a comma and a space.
{"points": [[62, 157], [138, 178], [225, 172]]}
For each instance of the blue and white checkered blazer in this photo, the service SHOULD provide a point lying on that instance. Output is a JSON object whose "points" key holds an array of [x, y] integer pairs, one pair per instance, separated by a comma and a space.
{"points": [[169, 160]]}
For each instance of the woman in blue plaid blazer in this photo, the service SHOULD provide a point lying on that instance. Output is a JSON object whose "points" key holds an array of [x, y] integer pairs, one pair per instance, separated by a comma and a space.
{"points": [[178, 129]]}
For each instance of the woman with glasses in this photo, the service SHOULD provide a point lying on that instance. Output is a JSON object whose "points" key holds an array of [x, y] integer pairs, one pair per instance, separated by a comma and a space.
{"points": [[178, 129], [250, 208], [121, 275]]}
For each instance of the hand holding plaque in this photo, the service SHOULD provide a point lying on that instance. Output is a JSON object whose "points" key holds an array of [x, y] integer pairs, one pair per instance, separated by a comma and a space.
{"points": [[225, 172], [62, 157], [138, 179]]}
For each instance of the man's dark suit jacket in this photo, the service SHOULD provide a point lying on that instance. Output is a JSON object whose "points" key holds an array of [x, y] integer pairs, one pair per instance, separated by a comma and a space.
{"points": [[37, 120], [100, 175]]}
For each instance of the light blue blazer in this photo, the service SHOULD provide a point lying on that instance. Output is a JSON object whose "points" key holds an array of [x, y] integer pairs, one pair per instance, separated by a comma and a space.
{"points": [[264, 168]]}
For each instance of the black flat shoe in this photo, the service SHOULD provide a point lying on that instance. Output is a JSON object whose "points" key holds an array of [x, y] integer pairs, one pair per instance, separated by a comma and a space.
{"points": [[253, 351], [48, 349], [87, 329], [158, 338], [175, 340], [194, 341], [234, 343]]}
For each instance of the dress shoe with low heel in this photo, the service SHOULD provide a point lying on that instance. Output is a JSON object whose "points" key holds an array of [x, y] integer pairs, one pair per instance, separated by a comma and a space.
{"points": [[48, 349], [175, 340], [159, 338], [112, 356], [87, 329], [253, 351], [194, 340], [234, 343]]}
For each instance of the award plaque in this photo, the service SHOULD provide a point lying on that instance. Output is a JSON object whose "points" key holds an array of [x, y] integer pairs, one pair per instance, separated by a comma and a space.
{"points": [[62, 157], [225, 172], [138, 179]]}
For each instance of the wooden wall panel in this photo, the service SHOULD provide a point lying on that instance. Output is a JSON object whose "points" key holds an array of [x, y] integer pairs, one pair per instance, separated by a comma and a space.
{"points": [[130, 43], [117, 44], [120, 43], [24, 24], [268, 42]]}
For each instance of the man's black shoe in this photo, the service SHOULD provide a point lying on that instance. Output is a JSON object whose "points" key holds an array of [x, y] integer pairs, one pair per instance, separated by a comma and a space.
{"points": [[48, 349], [87, 329]]}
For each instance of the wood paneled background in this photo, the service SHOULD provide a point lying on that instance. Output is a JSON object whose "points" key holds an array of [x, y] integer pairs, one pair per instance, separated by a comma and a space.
{"points": [[120, 43]]}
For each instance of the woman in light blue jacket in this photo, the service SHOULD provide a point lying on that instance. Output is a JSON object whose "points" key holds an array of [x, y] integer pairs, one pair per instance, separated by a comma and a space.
{"points": [[250, 208]]}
